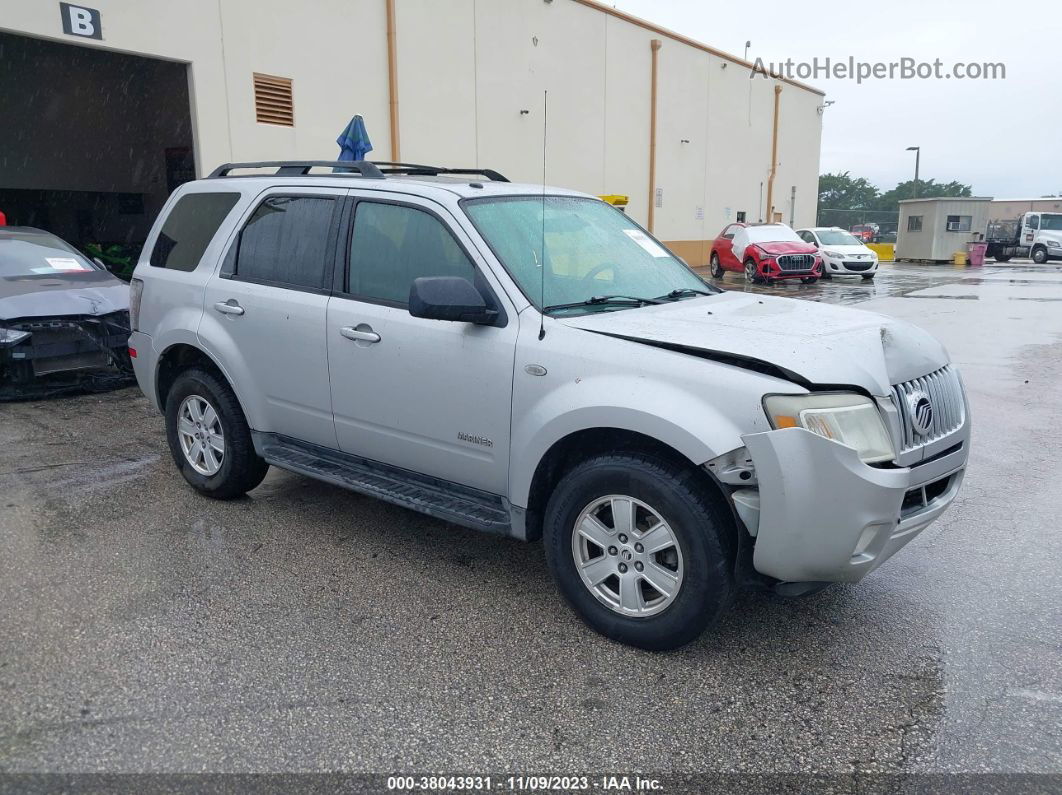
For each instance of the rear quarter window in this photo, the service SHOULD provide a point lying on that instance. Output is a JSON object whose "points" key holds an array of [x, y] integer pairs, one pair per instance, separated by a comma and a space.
{"points": [[189, 228]]}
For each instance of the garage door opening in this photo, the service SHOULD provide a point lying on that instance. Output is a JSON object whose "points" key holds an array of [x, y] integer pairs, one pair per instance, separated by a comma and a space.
{"points": [[92, 142]]}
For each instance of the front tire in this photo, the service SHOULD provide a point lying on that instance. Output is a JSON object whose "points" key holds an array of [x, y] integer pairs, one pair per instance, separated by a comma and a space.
{"points": [[209, 437], [1039, 256], [809, 279], [752, 272], [868, 277], [640, 550], [717, 267]]}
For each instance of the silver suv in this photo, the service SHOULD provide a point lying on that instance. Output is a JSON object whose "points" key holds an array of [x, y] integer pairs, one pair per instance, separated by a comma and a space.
{"points": [[530, 362]]}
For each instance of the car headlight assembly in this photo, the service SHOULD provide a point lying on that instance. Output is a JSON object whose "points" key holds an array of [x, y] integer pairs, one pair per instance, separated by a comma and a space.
{"points": [[12, 336], [845, 417], [833, 255]]}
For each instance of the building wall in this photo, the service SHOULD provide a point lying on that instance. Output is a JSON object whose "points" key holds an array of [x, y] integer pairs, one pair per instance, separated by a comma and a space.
{"points": [[1007, 209], [467, 69]]}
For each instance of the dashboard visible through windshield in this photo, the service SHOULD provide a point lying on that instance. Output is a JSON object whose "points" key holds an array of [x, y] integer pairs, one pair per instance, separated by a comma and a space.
{"points": [[576, 254]]}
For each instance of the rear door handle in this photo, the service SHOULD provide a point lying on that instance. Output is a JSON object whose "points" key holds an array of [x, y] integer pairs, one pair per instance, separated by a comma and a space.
{"points": [[229, 307], [359, 335]]}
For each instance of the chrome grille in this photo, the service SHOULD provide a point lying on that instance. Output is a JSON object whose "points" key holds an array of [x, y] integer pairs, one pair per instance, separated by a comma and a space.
{"points": [[945, 396], [796, 262]]}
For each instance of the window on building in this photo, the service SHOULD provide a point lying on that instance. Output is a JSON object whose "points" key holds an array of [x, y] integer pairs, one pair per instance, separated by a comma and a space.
{"points": [[741, 216], [285, 242], [392, 245], [189, 228], [914, 223], [959, 223], [273, 101]]}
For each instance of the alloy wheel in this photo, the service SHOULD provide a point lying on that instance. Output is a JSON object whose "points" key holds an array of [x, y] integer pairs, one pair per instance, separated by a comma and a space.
{"points": [[201, 436], [627, 556], [750, 271]]}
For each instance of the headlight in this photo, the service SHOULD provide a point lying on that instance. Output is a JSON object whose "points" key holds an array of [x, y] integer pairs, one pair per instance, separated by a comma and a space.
{"points": [[833, 254], [1054, 244], [847, 418], [12, 336]]}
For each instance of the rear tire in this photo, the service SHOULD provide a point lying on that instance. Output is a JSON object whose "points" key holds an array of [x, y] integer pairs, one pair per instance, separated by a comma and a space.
{"points": [[1002, 258], [658, 497], [717, 267], [239, 469]]}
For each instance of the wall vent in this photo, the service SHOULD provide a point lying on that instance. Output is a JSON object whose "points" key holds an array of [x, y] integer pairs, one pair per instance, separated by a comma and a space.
{"points": [[273, 101]]}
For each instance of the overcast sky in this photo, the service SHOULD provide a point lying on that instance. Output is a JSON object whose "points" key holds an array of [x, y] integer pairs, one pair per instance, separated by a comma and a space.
{"points": [[1004, 137]]}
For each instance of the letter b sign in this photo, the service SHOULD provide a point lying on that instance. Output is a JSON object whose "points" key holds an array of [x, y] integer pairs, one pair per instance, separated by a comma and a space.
{"points": [[81, 21]]}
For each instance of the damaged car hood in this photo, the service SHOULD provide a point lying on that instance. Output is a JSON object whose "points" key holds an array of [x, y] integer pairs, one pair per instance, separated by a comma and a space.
{"points": [[91, 293], [814, 343]]}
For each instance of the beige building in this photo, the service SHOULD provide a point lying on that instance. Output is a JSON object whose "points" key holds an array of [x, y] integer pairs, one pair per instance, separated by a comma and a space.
{"points": [[1010, 209], [108, 106]]}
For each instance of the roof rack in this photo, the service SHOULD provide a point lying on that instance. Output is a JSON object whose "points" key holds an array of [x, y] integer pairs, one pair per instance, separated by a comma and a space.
{"points": [[300, 168], [418, 170], [362, 168]]}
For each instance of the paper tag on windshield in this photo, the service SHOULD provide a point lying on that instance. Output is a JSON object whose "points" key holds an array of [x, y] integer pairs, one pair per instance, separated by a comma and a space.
{"points": [[646, 242], [65, 264]]}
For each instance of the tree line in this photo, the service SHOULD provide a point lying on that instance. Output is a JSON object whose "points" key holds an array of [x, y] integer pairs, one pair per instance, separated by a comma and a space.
{"points": [[845, 200]]}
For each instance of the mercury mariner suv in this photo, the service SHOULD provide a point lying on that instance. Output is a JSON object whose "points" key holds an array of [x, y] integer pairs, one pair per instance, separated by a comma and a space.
{"points": [[531, 362]]}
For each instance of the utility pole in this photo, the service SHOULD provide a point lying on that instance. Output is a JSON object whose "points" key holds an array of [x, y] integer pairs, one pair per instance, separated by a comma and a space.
{"points": [[918, 155]]}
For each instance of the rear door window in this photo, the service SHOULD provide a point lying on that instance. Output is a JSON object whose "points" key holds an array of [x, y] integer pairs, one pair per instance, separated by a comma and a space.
{"points": [[189, 228], [288, 241]]}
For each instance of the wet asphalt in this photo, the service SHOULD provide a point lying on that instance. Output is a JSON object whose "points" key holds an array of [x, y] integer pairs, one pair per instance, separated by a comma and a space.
{"points": [[306, 628]]}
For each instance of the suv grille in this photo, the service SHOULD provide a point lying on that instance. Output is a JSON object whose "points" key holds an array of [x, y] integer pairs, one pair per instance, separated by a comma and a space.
{"points": [[946, 411], [796, 262]]}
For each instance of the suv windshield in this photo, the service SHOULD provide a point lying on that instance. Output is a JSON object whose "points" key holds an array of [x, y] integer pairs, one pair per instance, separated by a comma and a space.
{"points": [[589, 250], [837, 237]]}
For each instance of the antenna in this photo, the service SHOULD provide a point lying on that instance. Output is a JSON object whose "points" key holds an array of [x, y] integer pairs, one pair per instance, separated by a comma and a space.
{"points": [[542, 246]]}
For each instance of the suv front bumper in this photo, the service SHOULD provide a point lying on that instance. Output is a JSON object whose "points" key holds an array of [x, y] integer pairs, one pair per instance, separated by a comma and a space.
{"points": [[823, 515]]}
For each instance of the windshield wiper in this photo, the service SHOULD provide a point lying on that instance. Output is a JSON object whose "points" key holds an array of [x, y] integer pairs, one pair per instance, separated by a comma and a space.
{"points": [[622, 300], [682, 292]]}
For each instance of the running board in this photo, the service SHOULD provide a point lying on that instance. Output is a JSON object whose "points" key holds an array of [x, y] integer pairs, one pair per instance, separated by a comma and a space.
{"points": [[442, 499]]}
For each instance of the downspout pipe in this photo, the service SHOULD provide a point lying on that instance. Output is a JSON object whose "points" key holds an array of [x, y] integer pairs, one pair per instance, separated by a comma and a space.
{"points": [[654, 46], [774, 158], [392, 79]]}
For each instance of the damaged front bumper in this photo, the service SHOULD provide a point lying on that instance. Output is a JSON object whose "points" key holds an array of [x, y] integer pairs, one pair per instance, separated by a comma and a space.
{"points": [[54, 355], [822, 515]]}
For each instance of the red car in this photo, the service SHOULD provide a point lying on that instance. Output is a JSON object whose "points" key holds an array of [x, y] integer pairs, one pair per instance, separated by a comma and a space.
{"points": [[765, 252]]}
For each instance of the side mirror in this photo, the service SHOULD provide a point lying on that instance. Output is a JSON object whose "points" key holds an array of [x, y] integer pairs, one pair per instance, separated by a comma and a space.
{"points": [[449, 298]]}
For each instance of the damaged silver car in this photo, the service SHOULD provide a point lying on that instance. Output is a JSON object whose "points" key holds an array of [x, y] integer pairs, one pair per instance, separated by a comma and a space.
{"points": [[64, 319], [531, 362]]}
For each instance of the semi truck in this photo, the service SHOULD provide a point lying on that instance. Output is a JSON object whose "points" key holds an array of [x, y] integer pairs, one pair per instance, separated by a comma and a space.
{"points": [[1034, 234]]}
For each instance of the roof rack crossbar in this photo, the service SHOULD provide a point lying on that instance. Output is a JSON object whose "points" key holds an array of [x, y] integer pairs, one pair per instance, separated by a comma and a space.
{"points": [[291, 168]]}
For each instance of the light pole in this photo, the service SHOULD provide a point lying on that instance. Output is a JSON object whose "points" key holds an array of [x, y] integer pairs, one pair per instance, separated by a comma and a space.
{"points": [[747, 45], [918, 155]]}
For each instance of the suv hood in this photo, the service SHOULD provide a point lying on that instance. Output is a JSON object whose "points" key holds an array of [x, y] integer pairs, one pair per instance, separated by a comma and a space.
{"points": [[785, 247], [817, 344]]}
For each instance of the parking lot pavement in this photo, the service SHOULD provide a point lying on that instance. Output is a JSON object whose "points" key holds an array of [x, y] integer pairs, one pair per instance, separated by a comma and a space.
{"points": [[308, 628]]}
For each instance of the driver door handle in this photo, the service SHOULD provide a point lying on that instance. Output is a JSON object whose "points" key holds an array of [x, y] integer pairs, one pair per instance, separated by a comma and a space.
{"points": [[352, 333], [229, 307]]}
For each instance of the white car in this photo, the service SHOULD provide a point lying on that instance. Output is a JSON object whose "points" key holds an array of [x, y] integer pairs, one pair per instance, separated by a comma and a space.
{"points": [[843, 254]]}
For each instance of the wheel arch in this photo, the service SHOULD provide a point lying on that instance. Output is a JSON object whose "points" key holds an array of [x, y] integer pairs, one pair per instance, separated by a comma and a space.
{"points": [[578, 446], [182, 356]]}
